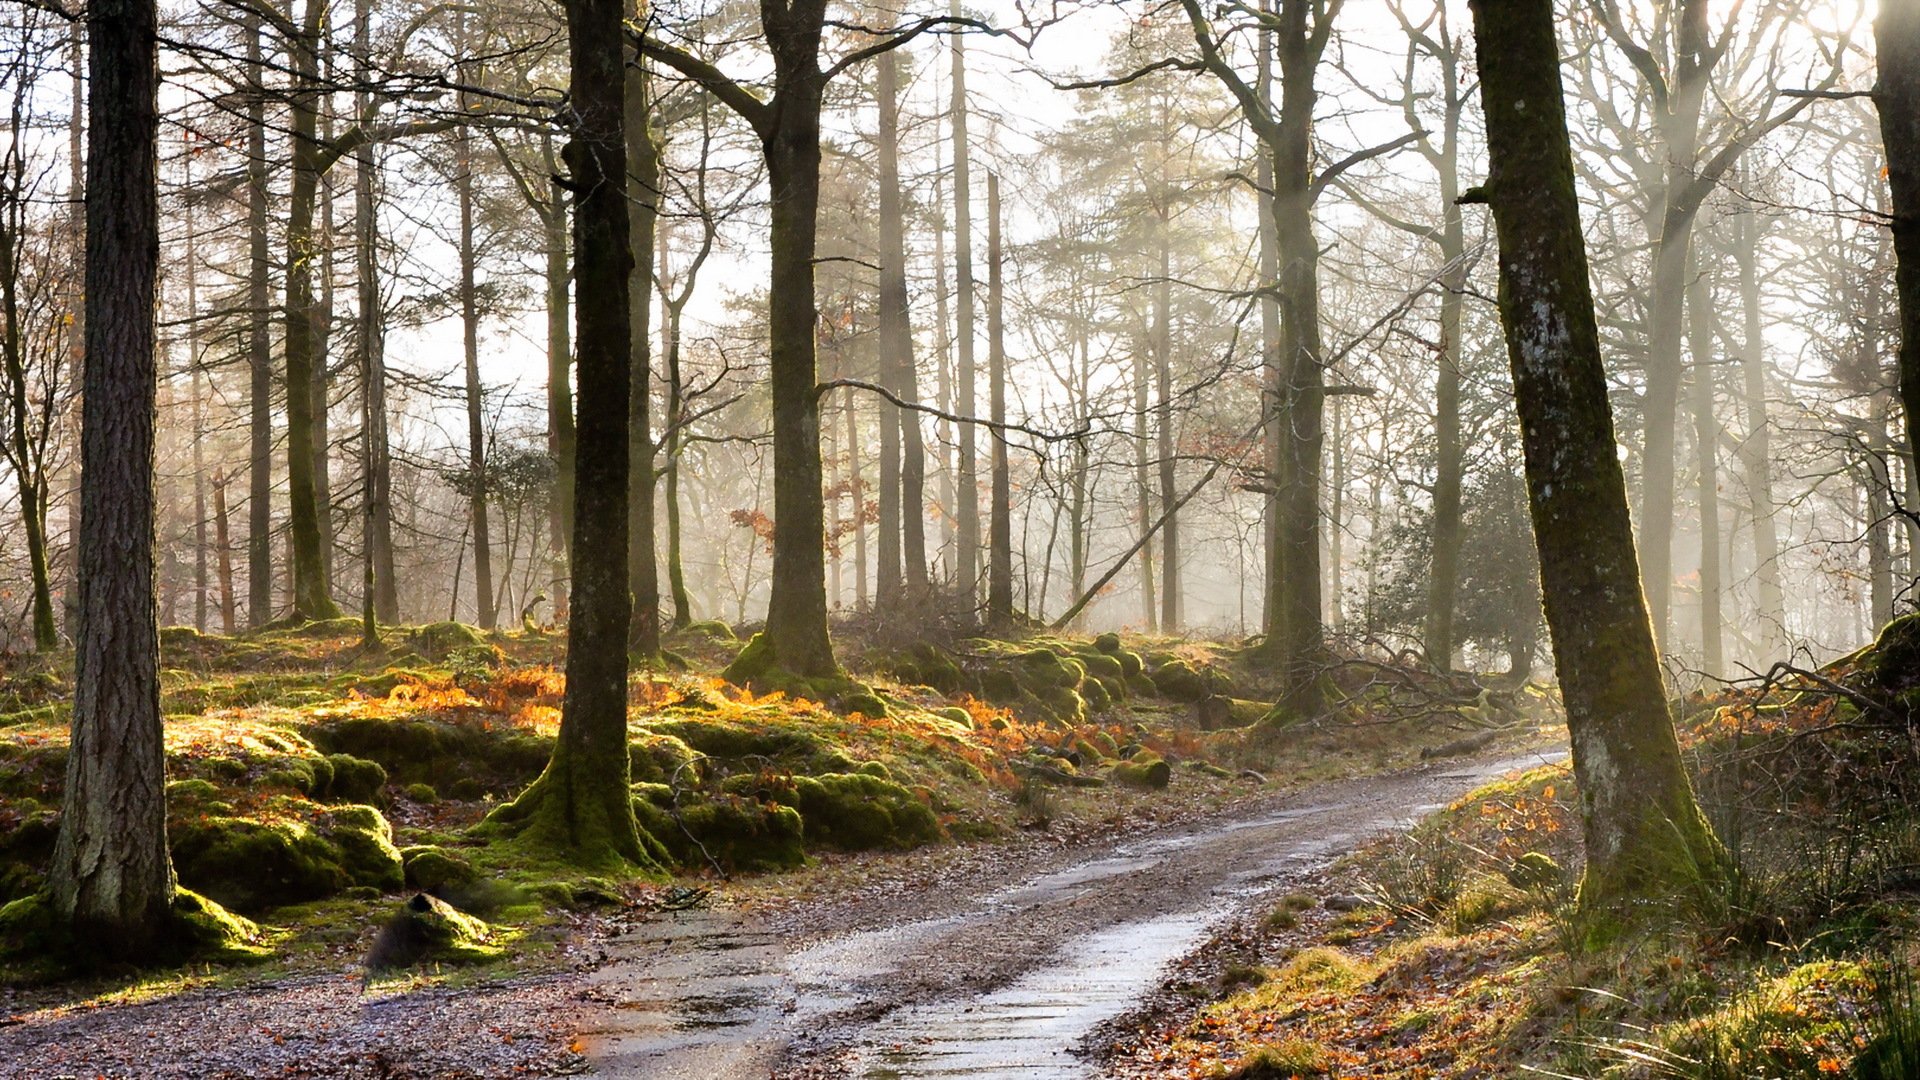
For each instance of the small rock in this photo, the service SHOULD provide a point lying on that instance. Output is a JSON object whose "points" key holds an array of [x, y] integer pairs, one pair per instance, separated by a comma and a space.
{"points": [[1344, 902]]}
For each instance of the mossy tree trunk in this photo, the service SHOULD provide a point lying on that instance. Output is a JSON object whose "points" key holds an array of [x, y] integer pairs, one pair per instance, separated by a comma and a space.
{"points": [[1644, 831], [582, 804], [111, 879], [1897, 41]]}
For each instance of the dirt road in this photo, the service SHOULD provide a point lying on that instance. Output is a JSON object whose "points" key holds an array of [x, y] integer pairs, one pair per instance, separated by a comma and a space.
{"points": [[974, 974]]}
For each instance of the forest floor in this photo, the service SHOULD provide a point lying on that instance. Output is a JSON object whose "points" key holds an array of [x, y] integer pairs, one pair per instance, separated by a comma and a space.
{"points": [[316, 784]]}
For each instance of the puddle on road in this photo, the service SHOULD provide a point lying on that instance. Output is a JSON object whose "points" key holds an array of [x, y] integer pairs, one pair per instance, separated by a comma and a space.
{"points": [[706, 995], [1028, 1028]]}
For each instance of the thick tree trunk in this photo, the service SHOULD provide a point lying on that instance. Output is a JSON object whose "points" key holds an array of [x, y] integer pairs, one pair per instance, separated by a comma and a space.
{"points": [[1000, 524], [643, 201], [967, 555], [1645, 835], [581, 804], [259, 345], [111, 879], [1897, 39], [310, 594], [1273, 377]]}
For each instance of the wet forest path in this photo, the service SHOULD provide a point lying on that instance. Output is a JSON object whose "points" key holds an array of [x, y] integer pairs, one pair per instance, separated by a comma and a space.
{"points": [[993, 975]]}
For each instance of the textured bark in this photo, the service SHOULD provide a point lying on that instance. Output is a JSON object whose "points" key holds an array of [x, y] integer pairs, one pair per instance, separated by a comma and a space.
{"points": [[259, 345], [194, 380], [223, 546], [943, 376], [1000, 522], [1645, 835], [581, 803], [311, 599], [1897, 39], [1273, 376], [967, 478], [643, 202], [1443, 565], [111, 879], [1170, 620], [1143, 490]]}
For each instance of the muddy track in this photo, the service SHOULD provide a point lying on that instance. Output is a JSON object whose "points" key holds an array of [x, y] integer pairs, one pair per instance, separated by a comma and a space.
{"points": [[1003, 975]]}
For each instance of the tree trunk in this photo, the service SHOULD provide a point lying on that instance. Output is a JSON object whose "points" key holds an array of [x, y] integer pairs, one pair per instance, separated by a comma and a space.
{"points": [[902, 427], [676, 408], [310, 594], [1273, 378], [111, 879], [1897, 39], [194, 379], [378, 579], [856, 489], [582, 804], [1143, 489], [259, 345], [29, 472], [1443, 566], [1645, 835], [1706, 442], [1756, 450], [223, 545], [1170, 620], [560, 436], [478, 481], [967, 556], [643, 199], [1000, 525], [943, 377]]}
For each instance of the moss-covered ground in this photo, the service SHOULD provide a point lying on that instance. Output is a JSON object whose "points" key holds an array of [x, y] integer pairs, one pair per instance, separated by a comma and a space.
{"points": [[1459, 949], [317, 787]]}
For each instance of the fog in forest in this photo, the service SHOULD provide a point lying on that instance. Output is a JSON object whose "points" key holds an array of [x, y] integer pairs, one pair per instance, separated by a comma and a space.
{"points": [[1069, 187]]}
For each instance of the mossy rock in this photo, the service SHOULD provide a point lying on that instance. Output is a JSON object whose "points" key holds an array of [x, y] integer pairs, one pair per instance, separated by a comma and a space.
{"points": [[713, 630], [1000, 686], [179, 637], [656, 756], [865, 704], [1043, 668], [355, 779], [383, 684], [1144, 770], [429, 929], [26, 847], [1108, 643], [1095, 693], [742, 743], [1894, 659], [438, 641], [436, 870], [754, 660], [1065, 703], [425, 749], [875, 768], [858, 812], [936, 669], [424, 794], [1181, 681], [1131, 664], [956, 714], [741, 834], [1102, 666], [250, 865]]}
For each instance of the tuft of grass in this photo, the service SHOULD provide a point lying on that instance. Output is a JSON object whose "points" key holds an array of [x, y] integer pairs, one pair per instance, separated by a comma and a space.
{"points": [[1284, 1060]]}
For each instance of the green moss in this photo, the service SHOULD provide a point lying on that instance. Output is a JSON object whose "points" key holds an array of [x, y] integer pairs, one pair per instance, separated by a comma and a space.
{"points": [[435, 869], [1096, 696], [198, 929], [1102, 666], [354, 779], [1178, 680], [955, 714], [1065, 703], [712, 629], [1000, 686], [250, 865], [741, 834], [1108, 643], [1145, 770], [865, 704], [752, 662], [426, 749], [875, 768], [856, 811], [734, 742], [423, 794], [655, 756], [437, 641]]}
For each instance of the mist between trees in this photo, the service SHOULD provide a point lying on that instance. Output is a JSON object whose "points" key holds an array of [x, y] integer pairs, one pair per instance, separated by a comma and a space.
{"points": [[1206, 268]]}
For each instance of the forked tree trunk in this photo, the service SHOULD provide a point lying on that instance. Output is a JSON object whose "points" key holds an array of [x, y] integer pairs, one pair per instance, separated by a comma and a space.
{"points": [[1645, 835], [111, 880]]}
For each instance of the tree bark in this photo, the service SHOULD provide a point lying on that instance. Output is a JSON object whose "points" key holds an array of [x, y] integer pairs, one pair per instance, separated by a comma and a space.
{"points": [[1000, 524], [223, 545], [1706, 442], [560, 436], [310, 592], [896, 337], [1645, 835], [378, 580], [259, 343], [478, 480], [582, 804], [1170, 620], [111, 879], [1897, 40], [30, 481], [1756, 449], [967, 554], [643, 200]]}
